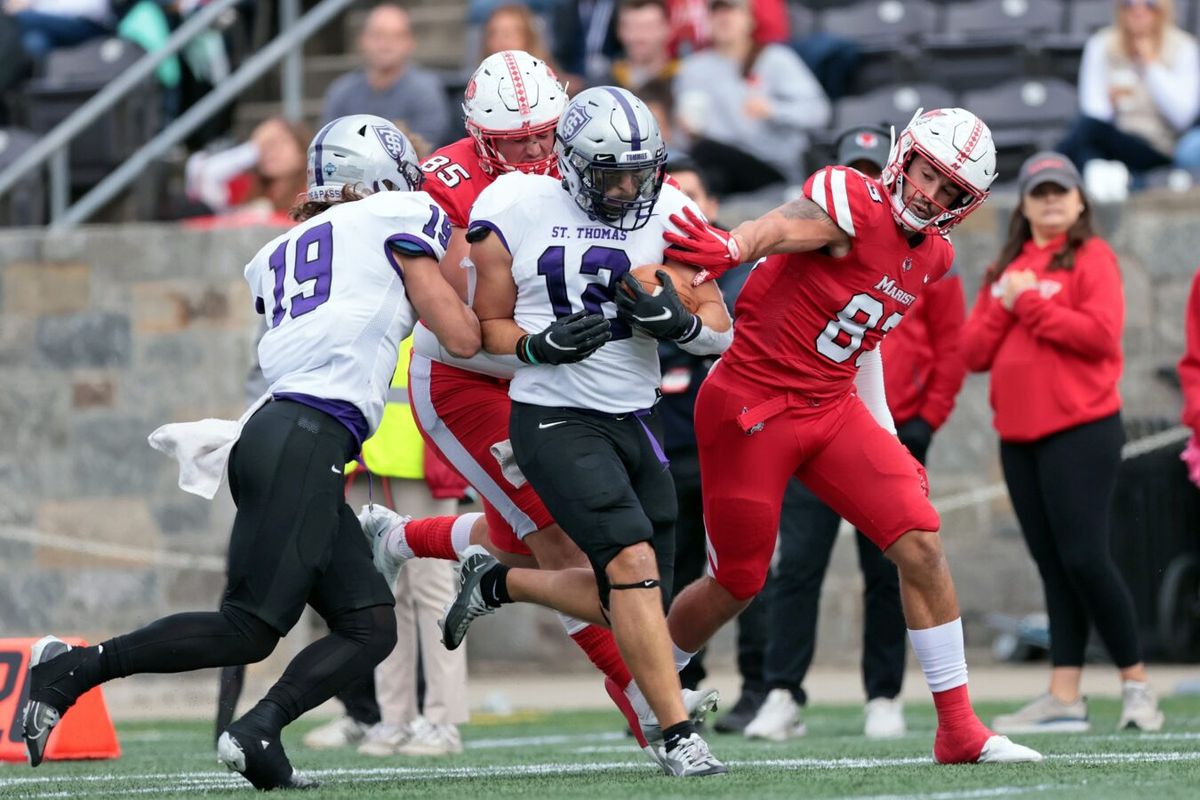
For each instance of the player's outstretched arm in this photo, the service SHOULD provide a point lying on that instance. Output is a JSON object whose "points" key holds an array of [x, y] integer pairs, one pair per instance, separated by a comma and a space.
{"points": [[439, 306], [795, 227]]}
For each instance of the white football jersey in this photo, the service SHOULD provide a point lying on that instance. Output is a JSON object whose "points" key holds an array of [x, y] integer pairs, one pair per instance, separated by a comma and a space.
{"points": [[333, 295], [564, 262]]}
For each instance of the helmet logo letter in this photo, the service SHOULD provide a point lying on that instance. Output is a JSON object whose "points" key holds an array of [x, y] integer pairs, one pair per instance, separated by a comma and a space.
{"points": [[574, 120], [393, 144]]}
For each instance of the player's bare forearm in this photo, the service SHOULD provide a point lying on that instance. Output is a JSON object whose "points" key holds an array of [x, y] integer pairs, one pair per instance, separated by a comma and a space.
{"points": [[495, 296], [795, 227], [440, 308], [712, 310], [451, 263], [500, 336]]}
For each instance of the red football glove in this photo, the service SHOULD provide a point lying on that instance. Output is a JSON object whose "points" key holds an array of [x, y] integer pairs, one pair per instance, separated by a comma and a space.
{"points": [[701, 245]]}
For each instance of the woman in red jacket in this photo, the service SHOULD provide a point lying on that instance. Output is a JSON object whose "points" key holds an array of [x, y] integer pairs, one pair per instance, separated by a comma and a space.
{"points": [[1047, 323], [1189, 379]]}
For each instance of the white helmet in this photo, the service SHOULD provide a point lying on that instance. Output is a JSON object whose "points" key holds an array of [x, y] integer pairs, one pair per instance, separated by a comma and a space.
{"points": [[363, 151], [512, 95], [957, 144], [607, 135]]}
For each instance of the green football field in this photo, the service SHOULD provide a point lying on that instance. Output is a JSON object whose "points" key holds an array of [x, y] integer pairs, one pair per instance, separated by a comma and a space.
{"points": [[584, 755]]}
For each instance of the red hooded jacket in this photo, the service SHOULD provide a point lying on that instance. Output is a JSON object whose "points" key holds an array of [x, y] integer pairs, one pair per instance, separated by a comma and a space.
{"points": [[1056, 357], [1189, 365]]}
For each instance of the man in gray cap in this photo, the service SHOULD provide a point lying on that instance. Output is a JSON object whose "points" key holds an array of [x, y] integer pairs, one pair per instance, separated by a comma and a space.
{"points": [[864, 148]]}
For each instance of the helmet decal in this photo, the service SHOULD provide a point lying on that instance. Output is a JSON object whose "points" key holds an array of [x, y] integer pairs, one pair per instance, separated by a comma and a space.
{"points": [[634, 134], [575, 120], [514, 72], [392, 141]]}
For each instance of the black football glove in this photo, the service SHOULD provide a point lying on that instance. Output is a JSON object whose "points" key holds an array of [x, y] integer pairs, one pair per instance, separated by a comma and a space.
{"points": [[565, 340], [661, 315]]}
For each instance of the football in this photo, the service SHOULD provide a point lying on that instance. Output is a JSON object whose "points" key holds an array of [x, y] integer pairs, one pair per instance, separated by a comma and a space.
{"points": [[681, 277]]}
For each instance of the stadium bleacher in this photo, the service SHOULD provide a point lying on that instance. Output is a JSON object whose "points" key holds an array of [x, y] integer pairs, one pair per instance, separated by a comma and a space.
{"points": [[1015, 62]]}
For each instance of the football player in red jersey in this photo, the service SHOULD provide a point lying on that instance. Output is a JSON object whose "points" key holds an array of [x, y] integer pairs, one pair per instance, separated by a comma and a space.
{"points": [[800, 392], [512, 105]]}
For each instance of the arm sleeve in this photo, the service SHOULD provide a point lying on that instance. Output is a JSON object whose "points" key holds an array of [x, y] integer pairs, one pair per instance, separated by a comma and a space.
{"points": [[1093, 80], [1189, 365], [796, 97], [1092, 327], [945, 313], [869, 383], [1176, 88], [984, 330]]}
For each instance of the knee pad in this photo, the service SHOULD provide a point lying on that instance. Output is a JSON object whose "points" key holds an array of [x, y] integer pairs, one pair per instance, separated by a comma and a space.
{"points": [[373, 628], [258, 639]]}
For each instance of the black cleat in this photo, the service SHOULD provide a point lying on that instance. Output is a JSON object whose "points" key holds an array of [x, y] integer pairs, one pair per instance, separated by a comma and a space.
{"points": [[468, 605], [259, 760], [40, 717]]}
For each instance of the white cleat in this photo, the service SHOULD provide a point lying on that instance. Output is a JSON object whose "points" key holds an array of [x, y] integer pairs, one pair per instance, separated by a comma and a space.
{"points": [[341, 732], [691, 759], [778, 719], [384, 530], [1002, 750], [884, 719]]}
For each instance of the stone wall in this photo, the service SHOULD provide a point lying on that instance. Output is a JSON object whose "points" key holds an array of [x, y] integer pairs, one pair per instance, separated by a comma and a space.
{"points": [[106, 333]]}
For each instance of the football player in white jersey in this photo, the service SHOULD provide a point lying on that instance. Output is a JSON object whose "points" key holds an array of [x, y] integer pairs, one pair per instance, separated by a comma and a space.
{"points": [[340, 291], [553, 259]]}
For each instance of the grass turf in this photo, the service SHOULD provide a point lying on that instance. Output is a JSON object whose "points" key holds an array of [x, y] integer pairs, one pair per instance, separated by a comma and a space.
{"points": [[583, 755]]}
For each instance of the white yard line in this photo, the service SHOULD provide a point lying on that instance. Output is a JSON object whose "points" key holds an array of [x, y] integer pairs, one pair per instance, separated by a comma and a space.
{"points": [[203, 781]]}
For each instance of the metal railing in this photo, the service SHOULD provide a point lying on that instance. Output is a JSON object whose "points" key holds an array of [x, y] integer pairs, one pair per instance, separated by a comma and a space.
{"points": [[287, 47]]}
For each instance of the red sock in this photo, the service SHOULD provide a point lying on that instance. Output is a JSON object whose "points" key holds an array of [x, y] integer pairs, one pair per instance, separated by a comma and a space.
{"points": [[960, 735], [601, 648], [430, 537]]}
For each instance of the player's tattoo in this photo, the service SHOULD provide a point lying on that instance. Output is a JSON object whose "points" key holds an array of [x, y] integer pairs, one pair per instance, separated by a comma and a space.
{"points": [[803, 208]]}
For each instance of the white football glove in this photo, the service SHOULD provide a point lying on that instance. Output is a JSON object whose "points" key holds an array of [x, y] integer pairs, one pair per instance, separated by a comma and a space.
{"points": [[377, 520]]}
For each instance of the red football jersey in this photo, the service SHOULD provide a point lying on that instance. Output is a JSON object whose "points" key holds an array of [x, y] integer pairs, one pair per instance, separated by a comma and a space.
{"points": [[454, 178], [803, 319]]}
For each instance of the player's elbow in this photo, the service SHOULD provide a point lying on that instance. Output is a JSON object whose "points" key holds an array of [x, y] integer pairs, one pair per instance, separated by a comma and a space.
{"points": [[465, 341]]}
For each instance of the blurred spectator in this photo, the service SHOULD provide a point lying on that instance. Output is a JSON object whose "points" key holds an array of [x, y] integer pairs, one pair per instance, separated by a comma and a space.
{"points": [[691, 25], [923, 372], [747, 106], [645, 34], [514, 27], [1189, 380], [1139, 89], [1047, 323], [389, 85], [48, 24], [659, 97], [682, 374], [261, 177], [584, 37]]}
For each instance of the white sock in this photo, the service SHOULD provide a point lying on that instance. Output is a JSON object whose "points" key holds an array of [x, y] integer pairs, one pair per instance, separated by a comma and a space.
{"points": [[460, 532], [571, 625], [396, 543], [640, 705], [682, 657], [940, 653]]}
